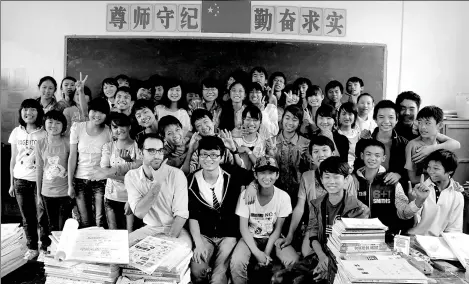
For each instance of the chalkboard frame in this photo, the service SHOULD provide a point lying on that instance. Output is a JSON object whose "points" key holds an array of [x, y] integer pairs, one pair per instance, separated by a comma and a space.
{"points": [[232, 38]]}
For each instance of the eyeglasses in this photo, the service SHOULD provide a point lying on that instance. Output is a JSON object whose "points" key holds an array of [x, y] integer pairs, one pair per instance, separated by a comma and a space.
{"points": [[249, 119], [212, 156], [153, 151]]}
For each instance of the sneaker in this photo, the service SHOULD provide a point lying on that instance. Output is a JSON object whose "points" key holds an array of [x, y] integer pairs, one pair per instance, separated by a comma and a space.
{"points": [[31, 254]]}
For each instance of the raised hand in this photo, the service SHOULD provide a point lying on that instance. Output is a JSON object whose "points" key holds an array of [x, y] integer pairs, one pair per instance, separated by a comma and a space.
{"points": [[80, 84], [125, 155], [227, 138]]}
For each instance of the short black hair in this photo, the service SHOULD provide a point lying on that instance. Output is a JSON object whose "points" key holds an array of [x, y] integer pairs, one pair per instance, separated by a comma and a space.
{"points": [[408, 95], [210, 82], [297, 111], [259, 69], [122, 77], [333, 84], [326, 110], [448, 160], [355, 80], [128, 90], [334, 165], [431, 111], [366, 94], [349, 107], [254, 86], [144, 137], [211, 143], [385, 104], [277, 74], [141, 104], [56, 115], [321, 140], [372, 143], [49, 78], [302, 80], [200, 113], [253, 110], [31, 103], [166, 121], [99, 104], [61, 83], [119, 119]]}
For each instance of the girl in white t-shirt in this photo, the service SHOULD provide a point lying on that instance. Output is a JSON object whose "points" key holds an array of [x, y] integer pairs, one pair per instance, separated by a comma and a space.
{"points": [[267, 103], [115, 153], [173, 103], [23, 141], [347, 127], [86, 143]]}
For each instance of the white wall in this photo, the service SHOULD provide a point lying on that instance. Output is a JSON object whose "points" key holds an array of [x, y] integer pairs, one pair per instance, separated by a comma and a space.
{"points": [[435, 51]]}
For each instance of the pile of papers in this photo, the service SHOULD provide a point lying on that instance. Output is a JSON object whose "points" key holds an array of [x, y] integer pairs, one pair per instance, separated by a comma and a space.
{"points": [[357, 236], [13, 248], [86, 256], [158, 259]]}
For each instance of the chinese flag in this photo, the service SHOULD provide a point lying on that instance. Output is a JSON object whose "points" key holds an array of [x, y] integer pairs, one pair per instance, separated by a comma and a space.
{"points": [[226, 16]]}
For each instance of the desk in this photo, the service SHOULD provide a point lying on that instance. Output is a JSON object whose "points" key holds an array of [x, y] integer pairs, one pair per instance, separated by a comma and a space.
{"points": [[441, 277]]}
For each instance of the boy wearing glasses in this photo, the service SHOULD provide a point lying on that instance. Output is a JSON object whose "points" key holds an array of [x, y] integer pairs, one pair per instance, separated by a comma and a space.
{"points": [[213, 194], [157, 193]]}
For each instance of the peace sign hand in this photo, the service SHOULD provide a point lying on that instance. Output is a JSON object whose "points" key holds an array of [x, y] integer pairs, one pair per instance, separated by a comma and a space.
{"points": [[79, 85]]}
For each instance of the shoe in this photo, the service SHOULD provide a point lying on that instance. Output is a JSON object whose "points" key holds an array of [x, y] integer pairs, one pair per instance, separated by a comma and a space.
{"points": [[31, 254]]}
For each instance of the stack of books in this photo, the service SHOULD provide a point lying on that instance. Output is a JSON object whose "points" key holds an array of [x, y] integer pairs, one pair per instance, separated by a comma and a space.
{"points": [[86, 256], [357, 236], [158, 260], [13, 248]]}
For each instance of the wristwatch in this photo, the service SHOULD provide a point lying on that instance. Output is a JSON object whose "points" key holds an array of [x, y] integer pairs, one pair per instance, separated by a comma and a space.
{"points": [[235, 152]]}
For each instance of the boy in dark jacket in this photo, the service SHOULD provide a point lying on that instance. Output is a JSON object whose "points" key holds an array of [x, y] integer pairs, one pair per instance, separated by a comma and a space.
{"points": [[325, 209], [213, 195]]}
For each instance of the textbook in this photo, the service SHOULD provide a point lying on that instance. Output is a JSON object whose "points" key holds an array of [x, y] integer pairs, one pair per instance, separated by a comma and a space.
{"points": [[363, 224], [13, 248], [459, 244], [94, 246], [435, 247]]}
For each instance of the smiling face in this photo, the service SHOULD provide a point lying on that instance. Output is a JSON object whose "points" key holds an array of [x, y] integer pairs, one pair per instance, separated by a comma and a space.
{"points": [[373, 157], [365, 104], [209, 160], [53, 127], [315, 100], [293, 100], [437, 172], [354, 88], [290, 122], [96, 117], [205, 126], [123, 100], [145, 117], [325, 123], [346, 118], [120, 132], [334, 94], [255, 96], [29, 115], [109, 90], [333, 183], [192, 97], [175, 94], [237, 93], [319, 153], [266, 178], [174, 135], [47, 89], [279, 83], [408, 112], [386, 119], [258, 77], [251, 124], [209, 94], [144, 94]]}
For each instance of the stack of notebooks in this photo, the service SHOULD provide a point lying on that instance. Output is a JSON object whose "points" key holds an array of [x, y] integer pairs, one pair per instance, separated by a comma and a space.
{"points": [[13, 248], [86, 256], [357, 236], [158, 260]]}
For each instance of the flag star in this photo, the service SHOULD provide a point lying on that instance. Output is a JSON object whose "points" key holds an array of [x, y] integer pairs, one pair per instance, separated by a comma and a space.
{"points": [[210, 10]]}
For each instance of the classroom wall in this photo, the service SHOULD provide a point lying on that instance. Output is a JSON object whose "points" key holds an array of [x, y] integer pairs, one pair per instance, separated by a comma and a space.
{"points": [[32, 43]]}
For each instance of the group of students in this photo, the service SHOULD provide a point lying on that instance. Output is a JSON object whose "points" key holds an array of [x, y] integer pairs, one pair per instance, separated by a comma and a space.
{"points": [[259, 168]]}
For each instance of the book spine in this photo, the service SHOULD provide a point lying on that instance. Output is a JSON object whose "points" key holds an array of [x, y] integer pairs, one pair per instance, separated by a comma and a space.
{"points": [[149, 277], [363, 247], [155, 274]]}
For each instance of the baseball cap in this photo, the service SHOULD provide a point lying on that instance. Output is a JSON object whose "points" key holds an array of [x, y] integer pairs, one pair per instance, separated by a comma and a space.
{"points": [[266, 163]]}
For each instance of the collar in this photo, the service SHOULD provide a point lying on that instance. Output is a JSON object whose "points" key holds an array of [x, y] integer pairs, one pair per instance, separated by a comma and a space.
{"points": [[361, 171], [200, 175], [34, 131], [350, 202], [214, 106], [52, 102], [375, 133], [453, 185], [294, 140]]}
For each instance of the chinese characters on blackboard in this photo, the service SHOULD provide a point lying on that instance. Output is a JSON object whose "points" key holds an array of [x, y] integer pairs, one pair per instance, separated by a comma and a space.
{"points": [[172, 17]]}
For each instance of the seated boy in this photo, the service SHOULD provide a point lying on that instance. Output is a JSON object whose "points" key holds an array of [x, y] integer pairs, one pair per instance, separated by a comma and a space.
{"points": [[261, 223], [175, 144], [438, 202], [202, 123], [213, 194], [334, 91], [354, 88], [376, 193], [365, 121], [430, 121], [311, 188], [324, 210]]}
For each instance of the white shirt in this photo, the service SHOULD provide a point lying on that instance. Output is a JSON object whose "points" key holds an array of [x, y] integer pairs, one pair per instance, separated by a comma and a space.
{"points": [[368, 124], [180, 114], [262, 219], [172, 199], [205, 188], [25, 165]]}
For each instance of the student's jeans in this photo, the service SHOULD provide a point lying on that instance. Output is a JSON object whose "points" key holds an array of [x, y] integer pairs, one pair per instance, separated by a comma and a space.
{"points": [[242, 256], [58, 210], [115, 215], [32, 213], [220, 249], [89, 193]]}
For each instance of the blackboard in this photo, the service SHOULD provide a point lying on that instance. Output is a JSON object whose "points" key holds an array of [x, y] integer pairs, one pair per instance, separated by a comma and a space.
{"points": [[192, 59]]}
